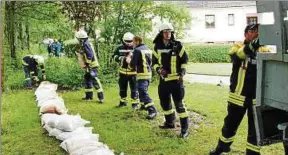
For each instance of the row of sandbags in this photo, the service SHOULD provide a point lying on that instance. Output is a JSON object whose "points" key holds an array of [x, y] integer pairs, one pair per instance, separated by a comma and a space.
{"points": [[70, 129]]}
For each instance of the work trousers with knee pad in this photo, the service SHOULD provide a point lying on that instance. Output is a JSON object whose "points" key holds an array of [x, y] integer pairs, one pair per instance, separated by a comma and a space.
{"points": [[231, 124], [144, 97], [91, 79], [123, 82], [173, 88]]}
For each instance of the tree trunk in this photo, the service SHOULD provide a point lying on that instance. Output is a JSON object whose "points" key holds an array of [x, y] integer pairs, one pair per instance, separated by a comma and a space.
{"points": [[27, 36], [118, 21], [20, 36], [10, 27]]}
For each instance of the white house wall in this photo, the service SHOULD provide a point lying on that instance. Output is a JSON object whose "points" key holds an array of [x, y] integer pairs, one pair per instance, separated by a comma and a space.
{"points": [[222, 32]]}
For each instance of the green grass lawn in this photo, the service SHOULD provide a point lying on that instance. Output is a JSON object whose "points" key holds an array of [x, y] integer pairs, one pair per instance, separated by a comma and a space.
{"points": [[122, 129], [210, 68]]}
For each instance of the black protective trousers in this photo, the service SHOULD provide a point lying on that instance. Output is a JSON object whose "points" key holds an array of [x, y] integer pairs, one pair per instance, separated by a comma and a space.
{"points": [[173, 88], [124, 80]]}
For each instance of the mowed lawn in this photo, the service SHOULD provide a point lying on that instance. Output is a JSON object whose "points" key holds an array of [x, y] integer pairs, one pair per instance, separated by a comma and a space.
{"points": [[120, 128], [210, 68]]}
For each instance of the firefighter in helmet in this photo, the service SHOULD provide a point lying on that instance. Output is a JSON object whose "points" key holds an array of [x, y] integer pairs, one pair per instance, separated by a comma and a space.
{"points": [[169, 61], [126, 74], [91, 64]]}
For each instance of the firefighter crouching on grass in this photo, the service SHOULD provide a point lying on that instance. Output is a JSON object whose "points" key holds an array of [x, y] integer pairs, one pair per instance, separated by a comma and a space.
{"points": [[242, 92], [170, 60], [126, 74], [30, 66], [141, 62], [91, 64]]}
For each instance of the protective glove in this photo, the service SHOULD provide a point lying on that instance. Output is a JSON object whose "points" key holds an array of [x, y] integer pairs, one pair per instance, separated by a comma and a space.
{"points": [[36, 79], [162, 72], [254, 44], [128, 60], [44, 77], [181, 79]]}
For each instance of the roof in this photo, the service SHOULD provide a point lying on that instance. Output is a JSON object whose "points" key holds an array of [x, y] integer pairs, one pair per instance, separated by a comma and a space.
{"points": [[219, 4]]}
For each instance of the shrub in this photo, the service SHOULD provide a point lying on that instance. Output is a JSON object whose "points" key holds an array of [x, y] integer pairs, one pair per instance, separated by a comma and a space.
{"points": [[208, 53], [66, 72]]}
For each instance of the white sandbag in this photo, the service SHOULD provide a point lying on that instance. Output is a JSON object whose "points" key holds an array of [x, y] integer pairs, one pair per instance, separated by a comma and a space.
{"points": [[101, 152], [69, 122], [81, 130], [84, 150], [46, 85], [87, 149], [46, 94], [55, 99], [47, 128], [45, 118], [79, 141], [53, 106], [55, 132]]}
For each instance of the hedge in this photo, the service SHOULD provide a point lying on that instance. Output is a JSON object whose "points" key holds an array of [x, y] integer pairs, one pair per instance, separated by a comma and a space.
{"points": [[208, 53]]}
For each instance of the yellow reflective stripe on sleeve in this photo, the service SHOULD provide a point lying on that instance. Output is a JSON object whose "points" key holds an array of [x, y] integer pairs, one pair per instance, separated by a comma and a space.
{"points": [[155, 54], [251, 47], [144, 74], [159, 58], [88, 61], [143, 77], [173, 64], [100, 85], [182, 52], [254, 102], [183, 114], [24, 63], [168, 112], [94, 64], [123, 100], [89, 90], [241, 78], [156, 66], [28, 79], [184, 66], [226, 140], [144, 62], [149, 105], [127, 72], [237, 102], [253, 147], [239, 97], [171, 77], [32, 72], [241, 54], [235, 48]]}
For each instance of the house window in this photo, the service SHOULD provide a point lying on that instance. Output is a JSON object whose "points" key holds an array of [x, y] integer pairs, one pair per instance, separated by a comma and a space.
{"points": [[210, 21], [252, 20], [230, 19]]}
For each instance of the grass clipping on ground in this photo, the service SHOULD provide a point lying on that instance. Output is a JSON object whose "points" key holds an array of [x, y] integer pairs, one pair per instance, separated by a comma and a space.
{"points": [[122, 129]]}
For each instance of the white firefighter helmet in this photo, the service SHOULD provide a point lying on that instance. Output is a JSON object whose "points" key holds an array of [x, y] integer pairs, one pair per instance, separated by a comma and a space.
{"points": [[128, 36], [166, 26], [81, 34], [39, 59]]}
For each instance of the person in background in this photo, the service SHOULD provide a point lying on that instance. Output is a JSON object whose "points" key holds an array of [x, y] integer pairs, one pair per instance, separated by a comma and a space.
{"points": [[30, 66], [91, 65], [141, 62], [170, 60], [126, 74]]}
